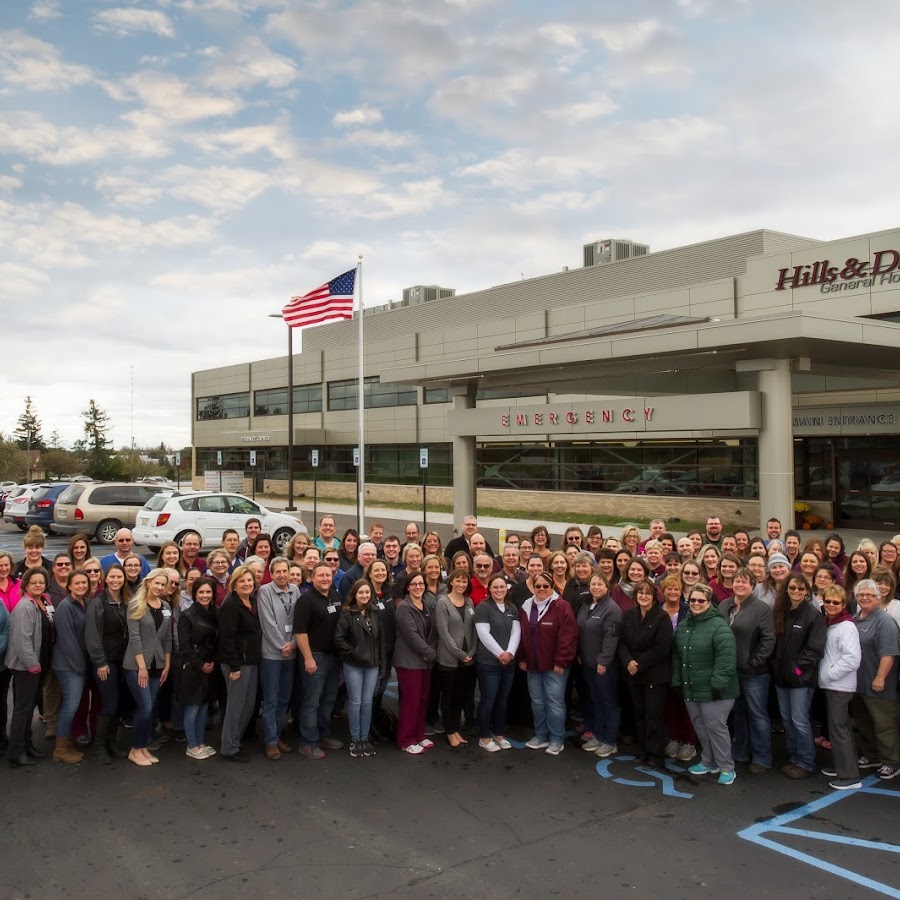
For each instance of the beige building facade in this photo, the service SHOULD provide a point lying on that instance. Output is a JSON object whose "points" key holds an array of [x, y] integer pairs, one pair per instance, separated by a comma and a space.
{"points": [[733, 376]]}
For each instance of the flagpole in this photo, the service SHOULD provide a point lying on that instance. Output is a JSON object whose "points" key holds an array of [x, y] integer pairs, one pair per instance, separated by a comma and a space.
{"points": [[361, 407], [290, 461]]}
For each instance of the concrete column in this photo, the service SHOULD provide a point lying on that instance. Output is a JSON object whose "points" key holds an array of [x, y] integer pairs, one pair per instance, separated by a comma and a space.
{"points": [[464, 497], [776, 443]]}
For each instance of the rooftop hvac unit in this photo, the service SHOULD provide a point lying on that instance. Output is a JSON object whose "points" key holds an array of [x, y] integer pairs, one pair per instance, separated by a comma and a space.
{"points": [[611, 250], [425, 293]]}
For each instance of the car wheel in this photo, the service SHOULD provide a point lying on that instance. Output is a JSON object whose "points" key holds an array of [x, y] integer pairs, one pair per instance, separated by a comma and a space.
{"points": [[106, 531], [282, 538], [21, 527]]}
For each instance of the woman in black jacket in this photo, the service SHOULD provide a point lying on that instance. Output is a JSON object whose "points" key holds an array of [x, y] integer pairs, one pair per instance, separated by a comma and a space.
{"points": [[800, 634], [359, 638], [198, 631], [106, 639], [240, 650], [645, 652]]}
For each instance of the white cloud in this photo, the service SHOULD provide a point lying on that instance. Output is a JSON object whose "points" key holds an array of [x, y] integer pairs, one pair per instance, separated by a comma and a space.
{"points": [[42, 10], [274, 139], [408, 199], [253, 63], [9, 183], [128, 21], [30, 63], [585, 111], [168, 99], [385, 140], [363, 115], [218, 188]]}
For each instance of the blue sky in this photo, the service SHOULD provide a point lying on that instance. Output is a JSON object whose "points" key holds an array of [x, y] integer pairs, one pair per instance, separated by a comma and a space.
{"points": [[171, 171]]}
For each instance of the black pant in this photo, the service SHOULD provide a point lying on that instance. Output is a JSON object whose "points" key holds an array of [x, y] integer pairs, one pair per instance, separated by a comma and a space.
{"points": [[5, 681], [455, 686], [650, 717], [27, 688]]}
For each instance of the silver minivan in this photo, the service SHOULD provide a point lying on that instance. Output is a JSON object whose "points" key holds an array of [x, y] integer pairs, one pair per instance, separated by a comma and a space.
{"points": [[100, 508]]}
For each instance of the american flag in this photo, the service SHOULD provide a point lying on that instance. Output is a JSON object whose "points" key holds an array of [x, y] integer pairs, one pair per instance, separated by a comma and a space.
{"points": [[333, 300]]}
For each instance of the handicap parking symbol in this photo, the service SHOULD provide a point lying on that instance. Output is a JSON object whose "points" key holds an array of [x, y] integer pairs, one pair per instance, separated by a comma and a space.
{"points": [[653, 776]]}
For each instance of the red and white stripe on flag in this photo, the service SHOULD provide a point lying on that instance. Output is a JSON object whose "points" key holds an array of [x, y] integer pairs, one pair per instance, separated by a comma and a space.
{"points": [[333, 300]]}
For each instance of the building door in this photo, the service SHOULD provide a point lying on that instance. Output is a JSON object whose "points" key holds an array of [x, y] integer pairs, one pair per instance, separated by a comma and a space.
{"points": [[868, 482]]}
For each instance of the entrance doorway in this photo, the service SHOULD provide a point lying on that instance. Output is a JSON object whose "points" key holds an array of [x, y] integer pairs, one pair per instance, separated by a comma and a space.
{"points": [[867, 482]]}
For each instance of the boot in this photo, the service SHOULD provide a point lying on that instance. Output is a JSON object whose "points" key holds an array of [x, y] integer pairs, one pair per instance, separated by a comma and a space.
{"points": [[100, 751], [32, 753], [112, 748], [17, 762], [65, 752]]}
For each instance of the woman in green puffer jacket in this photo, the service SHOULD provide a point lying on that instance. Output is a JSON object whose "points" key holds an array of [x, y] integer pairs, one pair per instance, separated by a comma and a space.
{"points": [[704, 665]]}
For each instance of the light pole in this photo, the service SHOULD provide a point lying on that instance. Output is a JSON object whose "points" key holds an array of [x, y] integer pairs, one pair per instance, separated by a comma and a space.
{"points": [[290, 390]]}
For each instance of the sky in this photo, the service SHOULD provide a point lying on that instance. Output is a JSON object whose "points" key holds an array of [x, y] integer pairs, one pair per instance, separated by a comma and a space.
{"points": [[173, 171]]}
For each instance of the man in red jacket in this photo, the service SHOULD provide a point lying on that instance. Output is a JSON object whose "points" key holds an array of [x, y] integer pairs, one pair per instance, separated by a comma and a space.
{"points": [[547, 650]]}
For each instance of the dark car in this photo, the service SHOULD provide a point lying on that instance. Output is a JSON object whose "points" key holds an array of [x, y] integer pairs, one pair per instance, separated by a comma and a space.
{"points": [[40, 506]]}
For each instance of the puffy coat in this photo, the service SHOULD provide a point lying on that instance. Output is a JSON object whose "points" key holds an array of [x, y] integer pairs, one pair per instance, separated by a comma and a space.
{"points": [[704, 660]]}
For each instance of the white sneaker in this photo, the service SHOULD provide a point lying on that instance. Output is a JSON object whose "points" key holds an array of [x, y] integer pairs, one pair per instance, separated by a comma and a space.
{"points": [[555, 749], [490, 745], [672, 749], [414, 749], [503, 744], [209, 751], [686, 752], [426, 744], [199, 753], [606, 750], [590, 745], [537, 744]]}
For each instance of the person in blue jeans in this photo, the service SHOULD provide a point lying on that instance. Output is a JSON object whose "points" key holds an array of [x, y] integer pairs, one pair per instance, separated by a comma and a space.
{"points": [[549, 644], [69, 662], [800, 634], [751, 622], [360, 640], [499, 633]]}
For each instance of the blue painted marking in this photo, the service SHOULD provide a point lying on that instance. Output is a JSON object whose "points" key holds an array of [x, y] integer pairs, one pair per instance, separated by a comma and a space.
{"points": [[839, 839], [667, 782], [884, 792], [779, 825]]}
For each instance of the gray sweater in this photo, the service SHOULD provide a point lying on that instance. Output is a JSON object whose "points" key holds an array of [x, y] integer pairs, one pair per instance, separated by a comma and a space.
{"points": [[69, 651], [416, 637], [25, 637], [455, 630], [144, 639], [598, 632], [275, 608]]}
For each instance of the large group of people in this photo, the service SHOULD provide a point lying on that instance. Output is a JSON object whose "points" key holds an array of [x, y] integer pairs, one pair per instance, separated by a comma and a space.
{"points": [[696, 648]]}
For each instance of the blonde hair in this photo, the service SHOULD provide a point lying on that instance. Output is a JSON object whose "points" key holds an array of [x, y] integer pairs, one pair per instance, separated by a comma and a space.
{"points": [[137, 606], [34, 537]]}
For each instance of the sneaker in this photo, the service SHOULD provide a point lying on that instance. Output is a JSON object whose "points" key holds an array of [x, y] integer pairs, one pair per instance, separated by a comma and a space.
{"points": [[426, 744], [796, 772], [829, 772], [356, 749], [672, 749], [845, 784], [331, 743], [865, 763], [700, 769], [180, 737], [585, 736], [413, 749], [311, 751], [199, 753], [208, 751], [591, 745], [154, 745], [555, 749], [489, 745], [368, 749], [537, 744], [757, 769], [605, 750], [234, 757], [727, 777], [686, 752], [503, 744], [439, 727], [886, 773]]}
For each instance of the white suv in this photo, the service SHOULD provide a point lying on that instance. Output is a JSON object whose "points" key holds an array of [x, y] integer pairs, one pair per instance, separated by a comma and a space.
{"points": [[169, 516]]}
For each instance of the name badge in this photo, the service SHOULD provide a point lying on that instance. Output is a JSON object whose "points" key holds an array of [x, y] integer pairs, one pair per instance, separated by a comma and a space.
{"points": [[287, 629], [471, 612], [380, 604], [167, 613], [332, 608]]}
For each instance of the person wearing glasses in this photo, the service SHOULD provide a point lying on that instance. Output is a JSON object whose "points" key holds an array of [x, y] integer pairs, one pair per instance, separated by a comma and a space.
{"points": [[94, 571], [124, 542], [483, 566], [754, 633], [875, 707], [333, 558], [704, 665], [132, 565], [799, 645], [548, 646], [837, 678], [691, 576]]}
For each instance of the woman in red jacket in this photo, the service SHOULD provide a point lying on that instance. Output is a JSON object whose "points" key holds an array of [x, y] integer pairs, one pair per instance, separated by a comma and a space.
{"points": [[548, 646]]}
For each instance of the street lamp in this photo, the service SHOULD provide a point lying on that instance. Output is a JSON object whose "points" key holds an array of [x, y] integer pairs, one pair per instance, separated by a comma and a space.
{"points": [[290, 452]]}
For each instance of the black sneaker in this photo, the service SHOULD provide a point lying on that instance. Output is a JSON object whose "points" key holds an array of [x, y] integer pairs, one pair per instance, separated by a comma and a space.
{"points": [[356, 749], [828, 772], [238, 757], [368, 749], [180, 737]]}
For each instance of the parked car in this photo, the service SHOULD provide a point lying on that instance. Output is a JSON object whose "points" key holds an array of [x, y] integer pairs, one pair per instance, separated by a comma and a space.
{"points": [[40, 506], [17, 505], [100, 508], [169, 516], [7, 486]]}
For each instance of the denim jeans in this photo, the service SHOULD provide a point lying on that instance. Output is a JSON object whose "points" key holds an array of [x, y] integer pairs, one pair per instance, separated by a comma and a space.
{"points": [[276, 676], [319, 694], [195, 724], [71, 684], [361, 683], [548, 704], [145, 708], [794, 704], [602, 713], [494, 683], [752, 741], [109, 690]]}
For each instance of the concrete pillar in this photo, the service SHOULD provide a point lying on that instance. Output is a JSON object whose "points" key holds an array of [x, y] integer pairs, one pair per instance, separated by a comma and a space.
{"points": [[464, 497], [776, 443]]}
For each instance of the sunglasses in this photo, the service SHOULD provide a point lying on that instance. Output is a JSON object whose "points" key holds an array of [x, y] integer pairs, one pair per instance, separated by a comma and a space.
{"points": [[698, 600], [797, 589], [832, 603], [482, 565], [92, 571], [543, 587]]}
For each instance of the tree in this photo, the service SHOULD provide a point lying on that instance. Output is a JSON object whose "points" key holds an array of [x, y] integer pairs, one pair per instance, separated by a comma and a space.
{"points": [[28, 429], [101, 461], [55, 440], [13, 462], [60, 462]]}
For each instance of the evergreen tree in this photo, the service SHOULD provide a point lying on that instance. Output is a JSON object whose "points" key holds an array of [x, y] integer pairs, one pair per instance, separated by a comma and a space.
{"points": [[28, 429], [102, 463]]}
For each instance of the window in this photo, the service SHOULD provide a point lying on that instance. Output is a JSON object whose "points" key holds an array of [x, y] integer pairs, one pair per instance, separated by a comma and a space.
{"points": [[437, 395], [442, 395], [212, 504], [243, 507], [343, 394], [223, 406], [273, 402]]}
